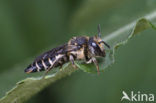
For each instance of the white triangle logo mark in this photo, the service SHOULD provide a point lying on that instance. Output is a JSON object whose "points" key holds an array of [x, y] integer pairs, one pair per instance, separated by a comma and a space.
{"points": [[125, 96]]}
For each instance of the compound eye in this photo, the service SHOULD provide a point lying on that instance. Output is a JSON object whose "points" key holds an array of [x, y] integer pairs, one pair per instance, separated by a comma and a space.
{"points": [[94, 44]]}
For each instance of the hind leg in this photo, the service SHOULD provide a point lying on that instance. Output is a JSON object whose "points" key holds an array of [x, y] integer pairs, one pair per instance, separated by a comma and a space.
{"points": [[48, 69]]}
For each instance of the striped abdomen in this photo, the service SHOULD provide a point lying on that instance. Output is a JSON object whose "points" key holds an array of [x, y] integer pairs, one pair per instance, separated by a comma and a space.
{"points": [[42, 65]]}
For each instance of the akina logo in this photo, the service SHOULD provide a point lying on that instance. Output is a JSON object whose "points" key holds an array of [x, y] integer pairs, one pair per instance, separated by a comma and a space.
{"points": [[137, 96]]}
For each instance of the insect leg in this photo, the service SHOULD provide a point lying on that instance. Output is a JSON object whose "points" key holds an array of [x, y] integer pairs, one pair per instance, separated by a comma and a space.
{"points": [[89, 61], [52, 66], [96, 64], [71, 58], [48, 70]]}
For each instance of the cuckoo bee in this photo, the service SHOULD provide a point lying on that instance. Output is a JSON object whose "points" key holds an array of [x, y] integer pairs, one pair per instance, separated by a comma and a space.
{"points": [[78, 48]]}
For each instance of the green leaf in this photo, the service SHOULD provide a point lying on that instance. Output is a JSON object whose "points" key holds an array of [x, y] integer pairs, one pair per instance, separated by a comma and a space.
{"points": [[28, 87]]}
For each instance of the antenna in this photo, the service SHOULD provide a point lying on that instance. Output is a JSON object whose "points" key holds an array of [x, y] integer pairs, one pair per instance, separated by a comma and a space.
{"points": [[99, 31], [105, 44]]}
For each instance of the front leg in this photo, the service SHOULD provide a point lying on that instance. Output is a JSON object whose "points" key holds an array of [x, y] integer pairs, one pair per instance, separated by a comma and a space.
{"points": [[95, 62]]}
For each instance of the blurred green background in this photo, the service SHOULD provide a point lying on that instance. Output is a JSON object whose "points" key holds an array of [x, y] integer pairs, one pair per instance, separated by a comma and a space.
{"points": [[30, 27]]}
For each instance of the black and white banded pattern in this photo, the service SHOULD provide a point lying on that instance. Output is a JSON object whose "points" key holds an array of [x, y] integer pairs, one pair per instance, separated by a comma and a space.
{"points": [[43, 65]]}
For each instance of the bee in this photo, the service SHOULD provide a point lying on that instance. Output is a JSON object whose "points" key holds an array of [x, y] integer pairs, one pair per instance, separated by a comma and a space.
{"points": [[78, 48]]}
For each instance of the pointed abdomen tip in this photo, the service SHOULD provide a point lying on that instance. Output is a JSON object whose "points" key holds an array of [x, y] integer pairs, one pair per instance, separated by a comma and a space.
{"points": [[30, 69]]}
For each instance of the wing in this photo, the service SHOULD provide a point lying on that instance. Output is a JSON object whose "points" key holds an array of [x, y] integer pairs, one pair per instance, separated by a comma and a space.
{"points": [[81, 40], [72, 48], [63, 49], [53, 52]]}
